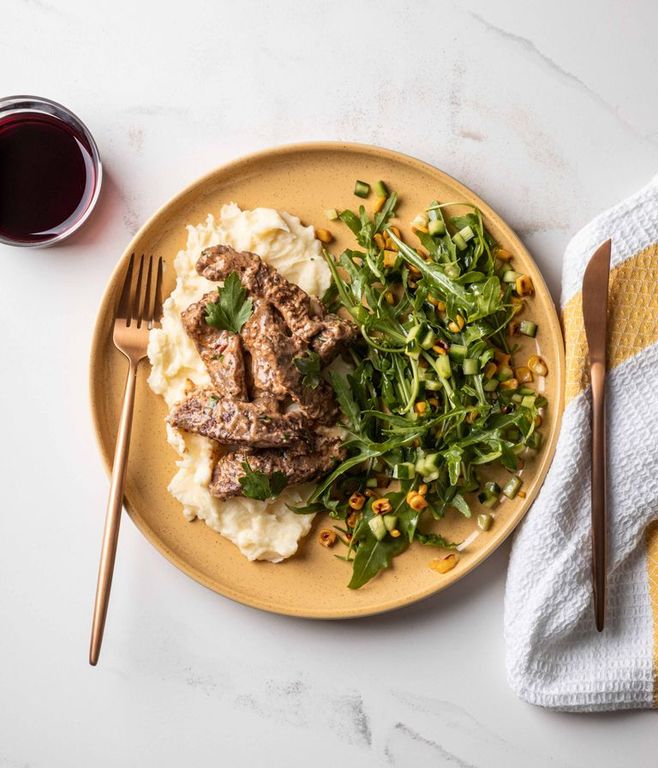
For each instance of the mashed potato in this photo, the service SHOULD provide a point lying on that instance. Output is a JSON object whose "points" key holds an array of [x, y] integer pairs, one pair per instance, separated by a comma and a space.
{"points": [[262, 530]]}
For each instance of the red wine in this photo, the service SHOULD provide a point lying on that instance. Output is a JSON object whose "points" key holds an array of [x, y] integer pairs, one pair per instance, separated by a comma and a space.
{"points": [[47, 177]]}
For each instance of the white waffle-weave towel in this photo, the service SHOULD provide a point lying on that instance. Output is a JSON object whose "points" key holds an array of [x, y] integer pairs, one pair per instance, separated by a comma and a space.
{"points": [[555, 656]]}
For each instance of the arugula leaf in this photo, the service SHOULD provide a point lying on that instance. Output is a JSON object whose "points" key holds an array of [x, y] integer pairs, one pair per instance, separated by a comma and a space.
{"points": [[258, 485], [372, 556], [345, 399], [386, 213], [434, 540], [232, 309], [309, 366]]}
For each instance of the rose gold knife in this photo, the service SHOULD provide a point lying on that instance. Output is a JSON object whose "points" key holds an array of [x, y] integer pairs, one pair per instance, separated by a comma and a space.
{"points": [[595, 312]]}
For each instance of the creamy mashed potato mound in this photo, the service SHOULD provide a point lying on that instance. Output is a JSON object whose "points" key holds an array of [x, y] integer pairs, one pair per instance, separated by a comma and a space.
{"points": [[262, 530]]}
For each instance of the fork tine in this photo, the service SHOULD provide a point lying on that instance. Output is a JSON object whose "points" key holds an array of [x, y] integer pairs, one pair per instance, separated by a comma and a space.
{"points": [[145, 314], [137, 294], [156, 315], [123, 308]]}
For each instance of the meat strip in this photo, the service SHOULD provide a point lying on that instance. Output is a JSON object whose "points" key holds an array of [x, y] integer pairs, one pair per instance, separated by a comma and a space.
{"points": [[273, 354], [220, 351], [238, 424], [324, 333], [295, 461]]}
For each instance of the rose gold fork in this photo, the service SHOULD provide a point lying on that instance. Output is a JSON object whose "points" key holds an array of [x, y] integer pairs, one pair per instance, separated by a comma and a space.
{"points": [[139, 310]]}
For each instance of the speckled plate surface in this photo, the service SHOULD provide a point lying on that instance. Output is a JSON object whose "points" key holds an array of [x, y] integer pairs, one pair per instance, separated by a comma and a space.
{"points": [[304, 179]]}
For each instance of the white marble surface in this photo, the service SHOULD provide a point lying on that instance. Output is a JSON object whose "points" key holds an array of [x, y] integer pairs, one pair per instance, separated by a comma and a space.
{"points": [[550, 111]]}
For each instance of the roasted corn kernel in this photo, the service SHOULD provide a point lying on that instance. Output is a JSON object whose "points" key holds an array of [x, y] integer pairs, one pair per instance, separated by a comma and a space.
{"points": [[417, 502], [524, 286], [353, 519], [381, 506], [327, 537], [357, 500], [523, 374], [457, 324], [537, 365], [443, 565], [390, 258]]}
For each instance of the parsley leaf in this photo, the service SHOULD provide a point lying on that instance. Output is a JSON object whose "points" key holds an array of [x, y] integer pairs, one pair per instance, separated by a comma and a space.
{"points": [[258, 485], [309, 366], [232, 309]]}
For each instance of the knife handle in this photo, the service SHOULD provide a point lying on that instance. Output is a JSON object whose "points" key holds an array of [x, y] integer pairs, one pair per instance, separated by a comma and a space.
{"points": [[599, 517]]}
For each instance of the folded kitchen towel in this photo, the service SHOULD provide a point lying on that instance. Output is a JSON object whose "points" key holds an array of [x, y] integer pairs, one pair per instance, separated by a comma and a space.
{"points": [[555, 656]]}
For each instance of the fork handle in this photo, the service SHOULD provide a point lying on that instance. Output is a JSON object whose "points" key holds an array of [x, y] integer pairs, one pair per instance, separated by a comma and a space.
{"points": [[113, 516], [599, 515]]}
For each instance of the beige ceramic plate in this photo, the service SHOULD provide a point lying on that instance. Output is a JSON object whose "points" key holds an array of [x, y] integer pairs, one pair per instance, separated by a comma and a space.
{"points": [[305, 180]]}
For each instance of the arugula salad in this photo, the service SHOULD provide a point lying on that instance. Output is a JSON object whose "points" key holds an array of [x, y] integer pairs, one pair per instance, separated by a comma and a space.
{"points": [[436, 395]]}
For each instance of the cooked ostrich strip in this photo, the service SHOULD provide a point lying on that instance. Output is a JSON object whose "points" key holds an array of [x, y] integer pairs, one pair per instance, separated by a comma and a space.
{"points": [[238, 424], [273, 369], [324, 333], [272, 351], [296, 463], [220, 351]]}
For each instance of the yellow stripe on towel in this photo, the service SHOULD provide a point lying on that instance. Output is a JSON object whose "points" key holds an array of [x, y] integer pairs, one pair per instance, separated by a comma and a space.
{"points": [[632, 318]]}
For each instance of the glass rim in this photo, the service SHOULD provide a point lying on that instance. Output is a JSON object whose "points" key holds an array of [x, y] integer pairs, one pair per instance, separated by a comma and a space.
{"points": [[25, 104]]}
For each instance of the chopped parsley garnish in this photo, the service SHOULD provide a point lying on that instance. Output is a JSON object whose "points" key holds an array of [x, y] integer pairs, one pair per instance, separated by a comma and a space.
{"points": [[258, 485], [232, 309], [309, 366]]}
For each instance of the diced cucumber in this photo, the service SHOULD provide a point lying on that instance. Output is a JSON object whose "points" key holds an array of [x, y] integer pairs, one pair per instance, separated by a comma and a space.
{"points": [[526, 391], [432, 385], [362, 189], [487, 499], [467, 233], [528, 401], [331, 214], [390, 522], [528, 328], [436, 227], [491, 385], [413, 333], [471, 366], [381, 190], [378, 527], [443, 367], [516, 398], [428, 340], [504, 373], [485, 521], [372, 482], [459, 241], [405, 470], [510, 276], [493, 487], [512, 486], [457, 352]]}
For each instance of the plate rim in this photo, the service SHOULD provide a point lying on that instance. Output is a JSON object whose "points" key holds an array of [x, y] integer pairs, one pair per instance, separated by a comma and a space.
{"points": [[548, 452]]}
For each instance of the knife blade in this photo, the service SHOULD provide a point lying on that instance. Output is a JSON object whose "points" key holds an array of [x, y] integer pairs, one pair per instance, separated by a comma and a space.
{"points": [[595, 317]]}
